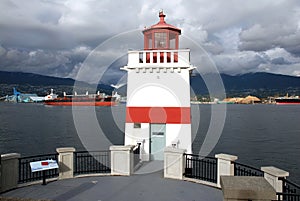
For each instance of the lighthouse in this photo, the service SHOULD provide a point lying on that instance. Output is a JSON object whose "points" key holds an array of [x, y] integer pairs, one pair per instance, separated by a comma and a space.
{"points": [[158, 112]]}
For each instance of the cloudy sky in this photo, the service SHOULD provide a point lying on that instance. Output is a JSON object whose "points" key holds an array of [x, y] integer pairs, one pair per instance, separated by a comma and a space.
{"points": [[54, 37]]}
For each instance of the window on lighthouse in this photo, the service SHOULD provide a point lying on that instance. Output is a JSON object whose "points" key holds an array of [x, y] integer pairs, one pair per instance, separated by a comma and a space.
{"points": [[149, 40], [160, 40], [172, 40]]}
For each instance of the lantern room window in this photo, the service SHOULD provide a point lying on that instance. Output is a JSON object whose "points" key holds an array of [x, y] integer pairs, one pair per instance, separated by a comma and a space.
{"points": [[161, 35], [149, 40], [160, 40], [172, 39]]}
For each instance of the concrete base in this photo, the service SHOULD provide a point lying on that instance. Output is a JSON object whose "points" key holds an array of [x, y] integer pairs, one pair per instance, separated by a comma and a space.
{"points": [[66, 162], [272, 175], [9, 171], [121, 160], [247, 188], [225, 166], [174, 163]]}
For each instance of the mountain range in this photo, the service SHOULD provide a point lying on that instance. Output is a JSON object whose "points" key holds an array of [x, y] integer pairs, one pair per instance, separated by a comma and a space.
{"points": [[260, 84], [41, 84]]}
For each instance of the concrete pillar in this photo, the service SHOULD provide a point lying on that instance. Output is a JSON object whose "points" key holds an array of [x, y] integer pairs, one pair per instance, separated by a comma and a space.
{"points": [[225, 166], [272, 175], [66, 162], [174, 163], [239, 188], [121, 160], [9, 171]]}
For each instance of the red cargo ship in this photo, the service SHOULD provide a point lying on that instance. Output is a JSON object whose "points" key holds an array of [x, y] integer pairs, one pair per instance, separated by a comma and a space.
{"points": [[85, 100]]}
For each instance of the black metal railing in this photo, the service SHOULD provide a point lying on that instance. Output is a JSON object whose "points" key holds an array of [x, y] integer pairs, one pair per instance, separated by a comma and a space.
{"points": [[290, 191], [25, 173], [246, 170], [136, 154], [86, 162], [202, 168]]}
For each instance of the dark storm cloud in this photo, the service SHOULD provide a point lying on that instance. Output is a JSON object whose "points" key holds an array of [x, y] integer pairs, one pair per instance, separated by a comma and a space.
{"points": [[55, 37], [265, 37], [279, 61], [47, 62]]}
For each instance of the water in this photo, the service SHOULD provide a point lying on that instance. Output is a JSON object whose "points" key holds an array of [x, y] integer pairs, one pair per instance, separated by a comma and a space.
{"points": [[260, 135]]}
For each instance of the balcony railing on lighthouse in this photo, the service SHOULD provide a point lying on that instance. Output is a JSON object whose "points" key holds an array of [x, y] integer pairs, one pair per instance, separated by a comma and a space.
{"points": [[159, 58]]}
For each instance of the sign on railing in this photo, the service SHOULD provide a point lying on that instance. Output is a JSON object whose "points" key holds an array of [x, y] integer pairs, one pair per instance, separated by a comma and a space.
{"points": [[25, 173], [44, 165]]}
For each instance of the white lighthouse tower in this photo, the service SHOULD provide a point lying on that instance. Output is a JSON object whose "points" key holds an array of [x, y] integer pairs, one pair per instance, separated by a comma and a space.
{"points": [[158, 93]]}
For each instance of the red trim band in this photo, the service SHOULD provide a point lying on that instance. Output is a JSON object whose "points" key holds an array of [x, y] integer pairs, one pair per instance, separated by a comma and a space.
{"points": [[172, 115]]}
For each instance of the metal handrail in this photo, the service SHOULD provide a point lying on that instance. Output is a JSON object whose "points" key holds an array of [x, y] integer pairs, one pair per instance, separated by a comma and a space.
{"points": [[39, 156], [290, 182], [199, 156], [290, 190], [251, 171], [88, 162], [202, 168]]}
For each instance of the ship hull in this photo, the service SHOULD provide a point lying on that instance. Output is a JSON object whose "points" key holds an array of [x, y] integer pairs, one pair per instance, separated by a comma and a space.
{"points": [[109, 101], [287, 101], [80, 103]]}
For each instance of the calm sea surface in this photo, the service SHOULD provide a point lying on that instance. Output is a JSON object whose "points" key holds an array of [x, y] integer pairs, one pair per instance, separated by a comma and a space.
{"points": [[260, 135]]}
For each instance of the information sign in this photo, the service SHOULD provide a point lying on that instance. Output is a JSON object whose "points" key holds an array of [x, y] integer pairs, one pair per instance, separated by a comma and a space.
{"points": [[43, 165]]}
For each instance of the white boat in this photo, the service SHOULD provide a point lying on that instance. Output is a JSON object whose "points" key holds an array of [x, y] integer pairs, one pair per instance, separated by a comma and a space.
{"points": [[51, 96], [37, 98]]}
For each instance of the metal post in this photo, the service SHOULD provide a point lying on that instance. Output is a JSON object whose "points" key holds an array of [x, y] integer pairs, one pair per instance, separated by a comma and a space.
{"points": [[44, 178]]}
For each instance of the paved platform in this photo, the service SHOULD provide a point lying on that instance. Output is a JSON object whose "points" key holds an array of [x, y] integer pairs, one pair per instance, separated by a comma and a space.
{"points": [[146, 187]]}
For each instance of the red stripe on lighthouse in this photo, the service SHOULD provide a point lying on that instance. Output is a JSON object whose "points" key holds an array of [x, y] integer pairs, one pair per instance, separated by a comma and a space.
{"points": [[171, 115]]}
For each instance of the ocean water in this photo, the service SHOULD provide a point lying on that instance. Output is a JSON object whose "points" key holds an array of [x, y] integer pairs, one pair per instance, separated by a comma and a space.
{"points": [[260, 135]]}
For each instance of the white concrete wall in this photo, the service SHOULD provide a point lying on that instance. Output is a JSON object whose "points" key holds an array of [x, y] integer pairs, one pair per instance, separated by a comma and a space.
{"points": [[139, 135], [180, 134], [158, 85], [159, 88]]}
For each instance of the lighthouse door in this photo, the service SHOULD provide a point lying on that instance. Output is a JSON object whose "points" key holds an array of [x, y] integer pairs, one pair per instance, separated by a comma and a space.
{"points": [[158, 141]]}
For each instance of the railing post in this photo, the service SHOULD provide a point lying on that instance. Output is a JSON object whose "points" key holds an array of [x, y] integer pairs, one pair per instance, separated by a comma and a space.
{"points": [[9, 171], [272, 175], [144, 57], [174, 163], [225, 166], [122, 160], [66, 162]]}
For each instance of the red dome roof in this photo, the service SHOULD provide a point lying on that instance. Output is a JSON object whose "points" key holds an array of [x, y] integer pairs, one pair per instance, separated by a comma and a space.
{"points": [[162, 24]]}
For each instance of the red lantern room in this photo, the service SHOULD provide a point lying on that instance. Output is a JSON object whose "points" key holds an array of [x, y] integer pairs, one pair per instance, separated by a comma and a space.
{"points": [[161, 36]]}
